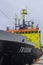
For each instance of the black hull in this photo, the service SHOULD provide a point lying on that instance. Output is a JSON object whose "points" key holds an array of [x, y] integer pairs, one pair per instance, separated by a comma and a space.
{"points": [[16, 50], [10, 53]]}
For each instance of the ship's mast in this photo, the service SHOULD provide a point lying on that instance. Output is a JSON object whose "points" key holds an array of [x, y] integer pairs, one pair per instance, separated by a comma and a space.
{"points": [[16, 18], [24, 26], [23, 12]]}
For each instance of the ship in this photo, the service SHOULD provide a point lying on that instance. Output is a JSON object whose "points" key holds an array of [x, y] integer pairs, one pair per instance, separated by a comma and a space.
{"points": [[20, 46]]}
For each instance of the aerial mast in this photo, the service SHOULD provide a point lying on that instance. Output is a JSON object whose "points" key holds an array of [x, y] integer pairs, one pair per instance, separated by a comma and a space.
{"points": [[23, 12], [16, 18]]}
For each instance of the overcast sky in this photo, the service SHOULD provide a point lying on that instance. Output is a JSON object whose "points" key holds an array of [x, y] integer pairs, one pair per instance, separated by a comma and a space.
{"points": [[8, 8]]}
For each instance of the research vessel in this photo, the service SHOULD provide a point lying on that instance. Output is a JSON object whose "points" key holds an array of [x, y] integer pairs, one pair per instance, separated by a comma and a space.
{"points": [[22, 45]]}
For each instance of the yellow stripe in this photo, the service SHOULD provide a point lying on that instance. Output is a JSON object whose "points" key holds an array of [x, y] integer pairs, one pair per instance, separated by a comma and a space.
{"points": [[33, 37]]}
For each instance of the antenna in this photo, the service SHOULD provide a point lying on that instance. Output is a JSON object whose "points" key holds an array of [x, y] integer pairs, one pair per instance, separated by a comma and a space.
{"points": [[24, 12], [16, 18]]}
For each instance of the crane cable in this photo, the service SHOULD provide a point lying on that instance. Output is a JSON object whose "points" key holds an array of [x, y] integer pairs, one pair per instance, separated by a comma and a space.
{"points": [[5, 15]]}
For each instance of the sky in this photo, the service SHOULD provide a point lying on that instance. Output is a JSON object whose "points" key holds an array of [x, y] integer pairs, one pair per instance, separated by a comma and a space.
{"points": [[8, 8]]}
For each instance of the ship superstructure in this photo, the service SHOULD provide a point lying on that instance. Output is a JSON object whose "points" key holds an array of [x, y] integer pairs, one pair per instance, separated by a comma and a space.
{"points": [[32, 34]]}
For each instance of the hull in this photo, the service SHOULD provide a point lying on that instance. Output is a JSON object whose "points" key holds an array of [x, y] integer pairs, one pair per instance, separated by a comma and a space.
{"points": [[15, 53], [14, 50]]}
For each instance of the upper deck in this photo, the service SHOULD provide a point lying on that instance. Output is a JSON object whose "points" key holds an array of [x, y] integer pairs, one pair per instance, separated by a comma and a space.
{"points": [[24, 27], [24, 30]]}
